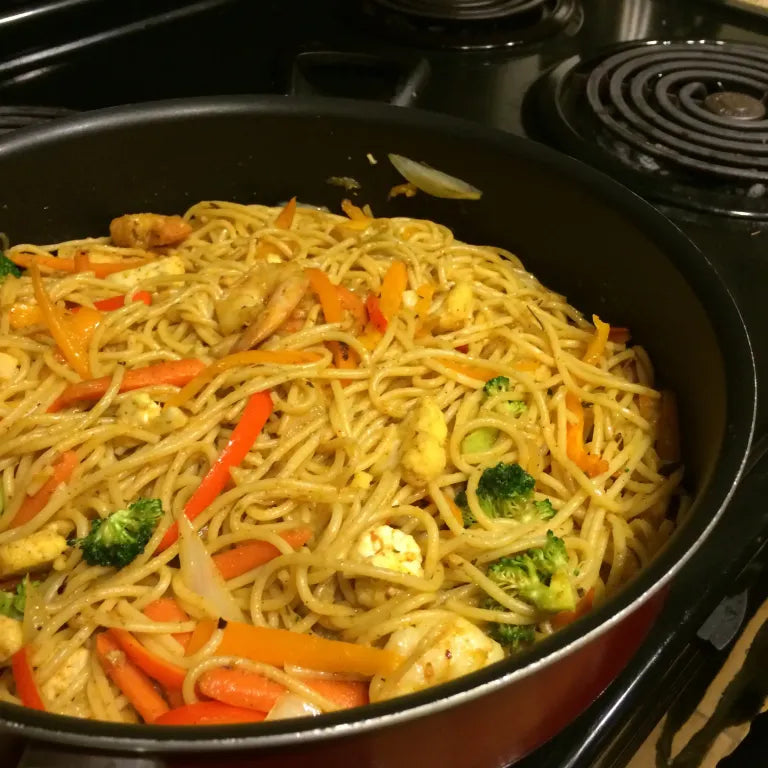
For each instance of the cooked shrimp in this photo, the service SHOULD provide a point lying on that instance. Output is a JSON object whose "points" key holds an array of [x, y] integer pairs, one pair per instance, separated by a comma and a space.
{"points": [[148, 230]]}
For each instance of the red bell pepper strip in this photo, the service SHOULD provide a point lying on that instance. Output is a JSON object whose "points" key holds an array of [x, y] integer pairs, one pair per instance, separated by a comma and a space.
{"points": [[209, 713], [255, 415]]}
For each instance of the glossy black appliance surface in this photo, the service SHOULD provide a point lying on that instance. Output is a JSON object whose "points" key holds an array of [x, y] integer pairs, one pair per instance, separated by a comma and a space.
{"points": [[668, 97]]}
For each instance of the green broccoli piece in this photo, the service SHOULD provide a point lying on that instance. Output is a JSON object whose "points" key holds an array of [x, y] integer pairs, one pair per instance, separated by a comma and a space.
{"points": [[12, 603], [118, 539], [7, 267], [506, 490], [537, 576], [515, 637], [499, 385]]}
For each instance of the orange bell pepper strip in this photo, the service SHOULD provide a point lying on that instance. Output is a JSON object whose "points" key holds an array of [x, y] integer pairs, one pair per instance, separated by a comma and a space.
{"points": [[118, 302], [24, 315], [245, 557], [471, 371], [133, 683], [407, 190], [596, 347], [167, 610], [209, 713], [355, 306], [330, 301], [392, 287], [175, 373], [285, 217], [574, 436], [373, 306], [253, 691], [170, 675], [26, 687], [584, 606], [56, 264], [81, 326], [354, 213], [62, 471], [257, 411], [201, 635], [251, 357], [281, 647], [68, 345]]}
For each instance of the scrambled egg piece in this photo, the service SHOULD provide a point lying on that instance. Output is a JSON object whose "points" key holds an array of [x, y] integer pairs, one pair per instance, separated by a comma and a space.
{"points": [[11, 637], [391, 548], [35, 551], [425, 458], [8, 366], [65, 675], [166, 266], [141, 410], [461, 648], [361, 480], [458, 308]]}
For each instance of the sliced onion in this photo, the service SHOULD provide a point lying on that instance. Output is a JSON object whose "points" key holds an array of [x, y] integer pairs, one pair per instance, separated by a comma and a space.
{"points": [[290, 705], [434, 182], [201, 575], [305, 673]]}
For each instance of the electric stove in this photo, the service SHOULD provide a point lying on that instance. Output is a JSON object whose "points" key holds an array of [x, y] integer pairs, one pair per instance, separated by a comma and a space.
{"points": [[668, 97]]}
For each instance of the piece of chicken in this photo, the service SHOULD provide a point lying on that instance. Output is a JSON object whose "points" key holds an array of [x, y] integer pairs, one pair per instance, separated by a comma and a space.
{"points": [[148, 230]]}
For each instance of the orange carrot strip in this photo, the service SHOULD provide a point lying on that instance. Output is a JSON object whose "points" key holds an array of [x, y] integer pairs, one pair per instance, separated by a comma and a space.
{"points": [[285, 217], [26, 687], [200, 635], [245, 557], [67, 344], [281, 646], [584, 606], [619, 335], [134, 684], [170, 675], [596, 347], [574, 436], [668, 435], [55, 264], [252, 357], [456, 511], [62, 471], [392, 287], [176, 373], [209, 713], [167, 611], [254, 691]]}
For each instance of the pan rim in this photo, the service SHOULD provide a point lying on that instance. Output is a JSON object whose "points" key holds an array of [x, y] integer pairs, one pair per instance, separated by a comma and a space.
{"points": [[740, 376]]}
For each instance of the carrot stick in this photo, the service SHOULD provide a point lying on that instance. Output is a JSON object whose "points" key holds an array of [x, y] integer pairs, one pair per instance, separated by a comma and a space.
{"points": [[62, 471], [668, 435], [166, 611], [252, 357], [255, 415], [584, 606], [26, 687], [55, 264], [281, 646], [285, 217], [134, 684], [175, 372], [596, 347], [253, 691], [456, 511], [170, 675], [209, 713], [245, 557], [392, 287], [201, 635], [67, 344], [574, 436]]}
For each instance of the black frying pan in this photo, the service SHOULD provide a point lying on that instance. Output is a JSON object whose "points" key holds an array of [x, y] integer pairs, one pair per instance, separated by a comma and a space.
{"points": [[581, 233]]}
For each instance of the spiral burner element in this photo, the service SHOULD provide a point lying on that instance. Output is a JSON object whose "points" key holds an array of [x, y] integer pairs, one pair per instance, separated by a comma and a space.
{"points": [[701, 106], [466, 10]]}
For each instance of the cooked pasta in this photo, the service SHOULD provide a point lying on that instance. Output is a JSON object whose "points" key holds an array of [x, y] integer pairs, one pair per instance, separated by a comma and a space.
{"points": [[339, 404]]}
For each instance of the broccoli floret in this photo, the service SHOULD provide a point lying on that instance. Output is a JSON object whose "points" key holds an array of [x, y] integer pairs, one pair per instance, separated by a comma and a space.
{"points": [[120, 538], [499, 385], [513, 636], [538, 576], [12, 603], [506, 490], [7, 267]]}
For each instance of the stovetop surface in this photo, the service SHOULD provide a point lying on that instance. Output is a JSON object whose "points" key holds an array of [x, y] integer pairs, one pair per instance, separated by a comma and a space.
{"points": [[84, 54]]}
